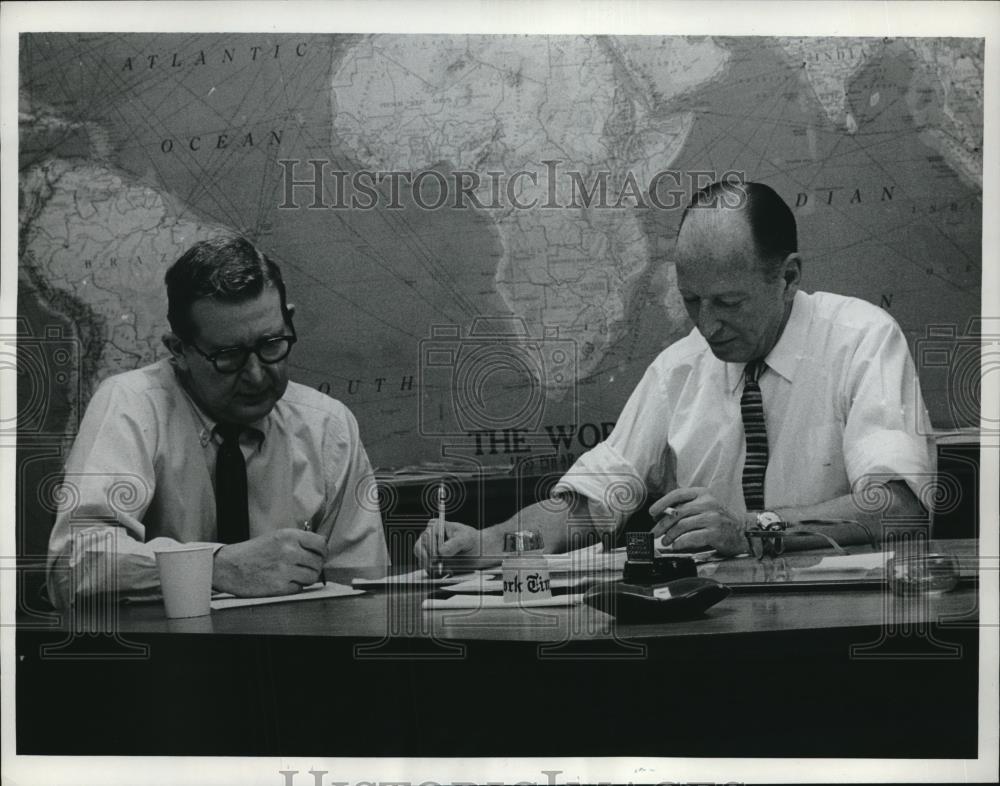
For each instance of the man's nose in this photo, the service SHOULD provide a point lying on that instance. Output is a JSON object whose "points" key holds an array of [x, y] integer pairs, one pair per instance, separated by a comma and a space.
{"points": [[708, 321], [254, 371]]}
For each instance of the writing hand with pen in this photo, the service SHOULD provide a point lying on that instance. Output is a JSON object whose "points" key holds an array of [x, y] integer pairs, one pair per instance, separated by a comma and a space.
{"points": [[307, 526], [691, 518], [278, 563], [441, 540], [447, 547]]}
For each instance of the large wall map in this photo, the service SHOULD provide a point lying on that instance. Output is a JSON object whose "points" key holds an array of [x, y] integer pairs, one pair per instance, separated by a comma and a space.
{"points": [[477, 230]]}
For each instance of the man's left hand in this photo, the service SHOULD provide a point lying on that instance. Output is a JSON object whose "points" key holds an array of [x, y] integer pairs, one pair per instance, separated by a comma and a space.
{"points": [[698, 520]]}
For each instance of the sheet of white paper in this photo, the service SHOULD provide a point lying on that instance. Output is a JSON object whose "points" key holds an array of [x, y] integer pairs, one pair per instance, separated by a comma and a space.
{"points": [[312, 592], [418, 576], [589, 560], [849, 562], [497, 602]]}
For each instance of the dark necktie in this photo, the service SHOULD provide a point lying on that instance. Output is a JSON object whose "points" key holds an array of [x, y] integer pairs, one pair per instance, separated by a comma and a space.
{"points": [[752, 409], [231, 513]]}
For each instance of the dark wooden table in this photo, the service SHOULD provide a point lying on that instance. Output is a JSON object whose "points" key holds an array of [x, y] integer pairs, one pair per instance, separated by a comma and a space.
{"points": [[788, 671]]}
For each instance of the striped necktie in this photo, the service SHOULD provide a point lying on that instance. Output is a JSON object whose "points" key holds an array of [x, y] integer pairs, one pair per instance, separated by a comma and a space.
{"points": [[232, 516], [752, 409]]}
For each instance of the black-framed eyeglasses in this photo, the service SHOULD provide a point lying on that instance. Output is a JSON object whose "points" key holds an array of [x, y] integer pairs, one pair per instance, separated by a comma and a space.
{"points": [[230, 360]]}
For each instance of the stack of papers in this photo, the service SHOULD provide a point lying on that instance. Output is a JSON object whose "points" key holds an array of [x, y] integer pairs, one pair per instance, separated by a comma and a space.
{"points": [[312, 592], [592, 559]]}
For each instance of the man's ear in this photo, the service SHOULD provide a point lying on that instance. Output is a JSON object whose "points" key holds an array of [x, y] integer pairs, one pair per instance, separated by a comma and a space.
{"points": [[176, 349], [791, 274]]}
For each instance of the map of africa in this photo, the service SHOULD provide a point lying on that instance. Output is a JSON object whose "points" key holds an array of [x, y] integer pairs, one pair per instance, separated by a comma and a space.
{"points": [[477, 230]]}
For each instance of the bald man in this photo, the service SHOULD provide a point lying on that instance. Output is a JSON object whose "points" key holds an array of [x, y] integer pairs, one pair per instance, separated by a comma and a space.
{"points": [[780, 407]]}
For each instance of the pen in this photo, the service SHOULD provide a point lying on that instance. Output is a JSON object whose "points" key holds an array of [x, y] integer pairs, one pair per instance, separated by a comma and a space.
{"points": [[436, 570], [307, 527]]}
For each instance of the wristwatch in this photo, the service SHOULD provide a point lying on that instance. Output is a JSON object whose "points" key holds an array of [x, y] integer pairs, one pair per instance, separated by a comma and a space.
{"points": [[769, 520], [761, 544]]}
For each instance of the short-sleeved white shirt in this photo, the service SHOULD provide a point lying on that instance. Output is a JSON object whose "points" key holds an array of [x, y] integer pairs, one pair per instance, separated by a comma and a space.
{"points": [[842, 403]]}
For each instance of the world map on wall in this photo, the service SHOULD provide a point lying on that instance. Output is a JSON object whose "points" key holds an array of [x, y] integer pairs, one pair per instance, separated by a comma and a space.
{"points": [[477, 231]]}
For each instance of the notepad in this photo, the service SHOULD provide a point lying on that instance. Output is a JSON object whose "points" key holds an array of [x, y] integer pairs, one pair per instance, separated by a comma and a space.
{"points": [[315, 591], [497, 602], [592, 559]]}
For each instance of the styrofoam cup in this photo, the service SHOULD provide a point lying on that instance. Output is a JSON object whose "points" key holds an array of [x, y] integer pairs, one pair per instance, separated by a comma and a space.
{"points": [[186, 580]]}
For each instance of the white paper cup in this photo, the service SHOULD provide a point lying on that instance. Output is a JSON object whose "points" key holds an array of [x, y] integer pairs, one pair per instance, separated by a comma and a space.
{"points": [[186, 580]]}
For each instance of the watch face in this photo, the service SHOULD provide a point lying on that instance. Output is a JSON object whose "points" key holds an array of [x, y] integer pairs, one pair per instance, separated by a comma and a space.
{"points": [[770, 521]]}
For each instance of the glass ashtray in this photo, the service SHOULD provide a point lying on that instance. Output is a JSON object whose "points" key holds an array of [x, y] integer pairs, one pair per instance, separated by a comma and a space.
{"points": [[922, 573], [527, 540]]}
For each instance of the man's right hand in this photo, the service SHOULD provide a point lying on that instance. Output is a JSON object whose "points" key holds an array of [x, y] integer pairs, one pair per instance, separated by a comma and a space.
{"points": [[279, 563], [446, 539]]}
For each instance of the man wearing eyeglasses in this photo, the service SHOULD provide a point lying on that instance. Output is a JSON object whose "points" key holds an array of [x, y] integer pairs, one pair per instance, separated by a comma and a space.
{"points": [[215, 445]]}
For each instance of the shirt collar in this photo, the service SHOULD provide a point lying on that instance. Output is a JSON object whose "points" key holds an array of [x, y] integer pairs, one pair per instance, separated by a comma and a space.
{"points": [[252, 432], [785, 354], [256, 431]]}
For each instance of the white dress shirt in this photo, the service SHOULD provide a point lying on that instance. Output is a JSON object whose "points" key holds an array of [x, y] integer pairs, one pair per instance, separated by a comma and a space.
{"points": [[140, 478], [842, 404]]}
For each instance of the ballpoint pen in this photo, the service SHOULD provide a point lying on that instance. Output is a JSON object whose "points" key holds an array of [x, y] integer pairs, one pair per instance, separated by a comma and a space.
{"points": [[307, 527]]}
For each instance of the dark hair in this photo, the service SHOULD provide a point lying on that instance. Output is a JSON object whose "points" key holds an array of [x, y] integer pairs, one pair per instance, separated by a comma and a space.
{"points": [[771, 222], [230, 269]]}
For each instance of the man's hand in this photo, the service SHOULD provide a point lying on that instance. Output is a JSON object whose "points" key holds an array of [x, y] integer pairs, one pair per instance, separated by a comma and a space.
{"points": [[446, 539], [279, 563], [696, 519]]}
